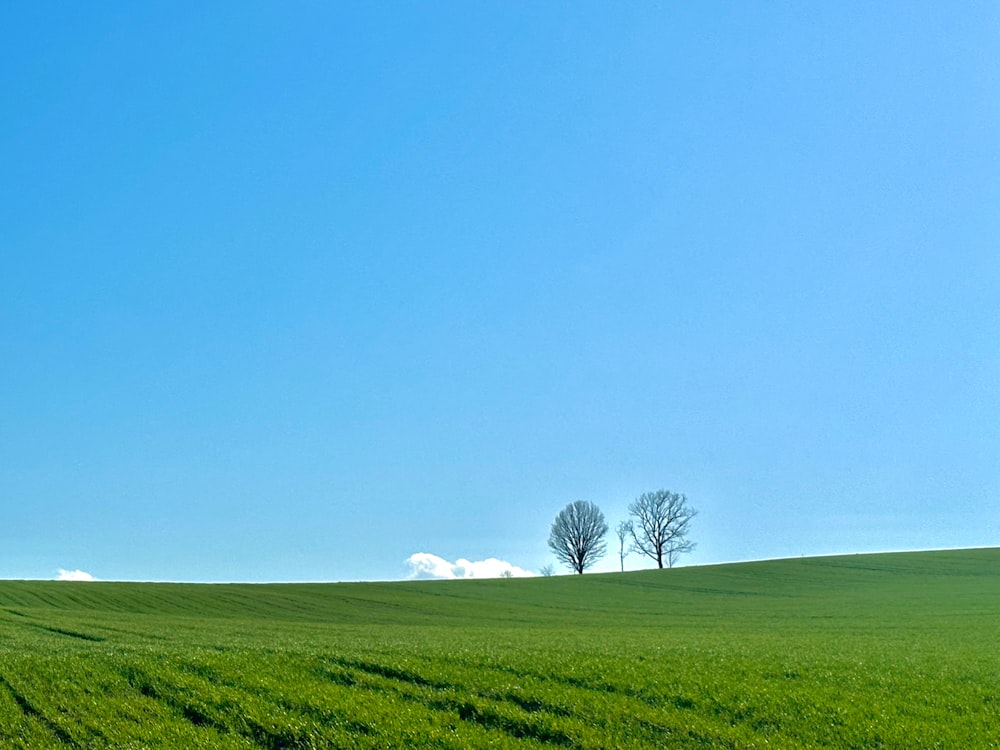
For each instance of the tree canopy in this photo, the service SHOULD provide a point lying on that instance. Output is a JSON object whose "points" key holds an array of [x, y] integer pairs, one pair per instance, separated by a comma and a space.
{"points": [[577, 535], [660, 525]]}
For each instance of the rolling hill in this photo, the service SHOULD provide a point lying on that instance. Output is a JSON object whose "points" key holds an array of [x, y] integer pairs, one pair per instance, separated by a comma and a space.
{"points": [[887, 650]]}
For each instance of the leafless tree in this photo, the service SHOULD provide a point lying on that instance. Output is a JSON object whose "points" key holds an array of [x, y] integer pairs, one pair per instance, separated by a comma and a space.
{"points": [[547, 570], [661, 525], [624, 532], [577, 535]]}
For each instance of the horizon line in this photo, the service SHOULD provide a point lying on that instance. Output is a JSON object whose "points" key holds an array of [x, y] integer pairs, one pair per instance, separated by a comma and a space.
{"points": [[406, 580]]}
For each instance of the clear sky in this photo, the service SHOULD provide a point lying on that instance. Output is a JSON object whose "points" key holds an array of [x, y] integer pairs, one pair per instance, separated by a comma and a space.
{"points": [[293, 291]]}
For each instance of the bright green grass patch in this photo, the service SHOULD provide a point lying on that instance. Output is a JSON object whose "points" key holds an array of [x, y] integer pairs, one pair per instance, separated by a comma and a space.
{"points": [[867, 651]]}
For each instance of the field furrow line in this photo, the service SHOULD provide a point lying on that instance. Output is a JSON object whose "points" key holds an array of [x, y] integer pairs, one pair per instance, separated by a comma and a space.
{"points": [[32, 712]]}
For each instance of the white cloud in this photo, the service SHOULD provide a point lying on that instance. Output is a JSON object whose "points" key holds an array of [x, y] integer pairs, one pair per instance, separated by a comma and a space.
{"points": [[74, 575], [426, 565]]}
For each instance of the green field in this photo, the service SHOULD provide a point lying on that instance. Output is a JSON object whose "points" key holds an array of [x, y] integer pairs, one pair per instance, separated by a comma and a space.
{"points": [[865, 651]]}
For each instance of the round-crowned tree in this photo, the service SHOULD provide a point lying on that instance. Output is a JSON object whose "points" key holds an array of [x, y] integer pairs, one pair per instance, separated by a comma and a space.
{"points": [[577, 535]]}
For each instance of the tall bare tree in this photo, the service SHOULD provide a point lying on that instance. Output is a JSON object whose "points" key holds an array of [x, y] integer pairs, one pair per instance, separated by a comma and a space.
{"points": [[577, 535], [660, 526], [624, 532]]}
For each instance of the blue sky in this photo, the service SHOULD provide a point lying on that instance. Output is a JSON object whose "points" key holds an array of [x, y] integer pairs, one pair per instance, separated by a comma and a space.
{"points": [[295, 291]]}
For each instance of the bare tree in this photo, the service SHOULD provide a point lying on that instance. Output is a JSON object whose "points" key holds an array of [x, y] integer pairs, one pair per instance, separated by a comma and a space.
{"points": [[661, 526], [623, 531], [547, 570], [577, 535]]}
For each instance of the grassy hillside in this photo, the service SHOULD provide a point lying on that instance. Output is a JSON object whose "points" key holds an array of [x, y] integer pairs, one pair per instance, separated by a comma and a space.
{"points": [[863, 651]]}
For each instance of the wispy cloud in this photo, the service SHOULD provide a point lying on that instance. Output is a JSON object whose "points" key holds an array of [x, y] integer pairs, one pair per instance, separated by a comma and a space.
{"points": [[74, 575], [426, 565]]}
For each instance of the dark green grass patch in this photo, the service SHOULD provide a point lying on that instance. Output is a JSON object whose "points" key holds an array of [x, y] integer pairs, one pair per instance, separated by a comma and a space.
{"points": [[866, 651]]}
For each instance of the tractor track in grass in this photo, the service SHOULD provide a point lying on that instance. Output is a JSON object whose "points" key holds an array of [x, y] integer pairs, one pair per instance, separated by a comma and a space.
{"points": [[486, 709], [33, 712], [516, 716], [204, 714]]}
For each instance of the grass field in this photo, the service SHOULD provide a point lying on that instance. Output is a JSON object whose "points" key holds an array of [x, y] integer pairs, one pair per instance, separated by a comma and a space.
{"points": [[866, 651]]}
